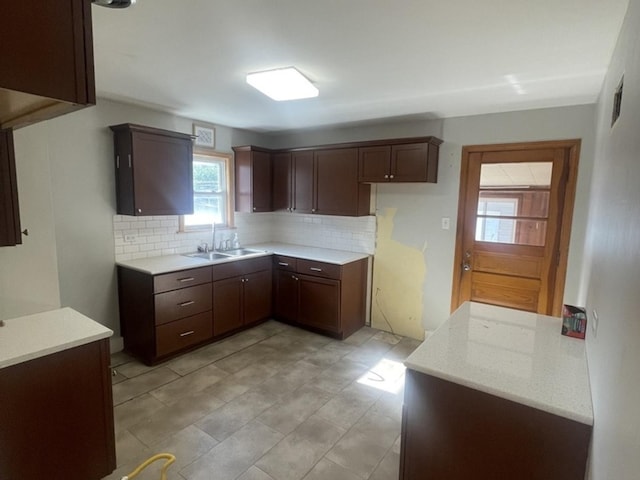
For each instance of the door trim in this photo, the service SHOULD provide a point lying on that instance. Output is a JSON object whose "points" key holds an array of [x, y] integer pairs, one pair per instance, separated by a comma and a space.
{"points": [[573, 148]]}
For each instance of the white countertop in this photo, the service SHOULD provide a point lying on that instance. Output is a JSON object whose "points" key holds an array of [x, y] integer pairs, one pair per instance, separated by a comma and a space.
{"points": [[172, 263], [33, 336], [519, 356]]}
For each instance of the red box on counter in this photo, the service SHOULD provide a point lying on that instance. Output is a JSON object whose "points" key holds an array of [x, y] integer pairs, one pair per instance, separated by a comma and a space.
{"points": [[574, 321]]}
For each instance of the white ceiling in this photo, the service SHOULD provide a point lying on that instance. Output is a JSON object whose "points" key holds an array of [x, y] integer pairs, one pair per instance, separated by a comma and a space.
{"points": [[371, 59]]}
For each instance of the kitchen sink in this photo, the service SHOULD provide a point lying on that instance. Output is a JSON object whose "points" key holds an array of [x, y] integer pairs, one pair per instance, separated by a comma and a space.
{"points": [[240, 252], [236, 252], [207, 255]]}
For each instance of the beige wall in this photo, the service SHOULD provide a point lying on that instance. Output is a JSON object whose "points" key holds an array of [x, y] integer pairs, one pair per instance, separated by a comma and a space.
{"points": [[613, 260]]}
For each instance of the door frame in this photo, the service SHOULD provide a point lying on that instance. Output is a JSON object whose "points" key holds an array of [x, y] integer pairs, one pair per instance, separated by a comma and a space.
{"points": [[573, 148]]}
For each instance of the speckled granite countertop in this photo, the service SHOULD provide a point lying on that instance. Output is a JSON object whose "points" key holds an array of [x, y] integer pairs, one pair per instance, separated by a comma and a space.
{"points": [[32, 336], [172, 263], [519, 356]]}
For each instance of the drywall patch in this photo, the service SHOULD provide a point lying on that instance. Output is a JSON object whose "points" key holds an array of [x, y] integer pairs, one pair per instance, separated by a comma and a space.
{"points": [[398, 279]]}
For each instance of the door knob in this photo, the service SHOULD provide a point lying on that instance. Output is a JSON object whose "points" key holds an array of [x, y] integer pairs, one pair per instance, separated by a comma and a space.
{"points": [[466, 266]]}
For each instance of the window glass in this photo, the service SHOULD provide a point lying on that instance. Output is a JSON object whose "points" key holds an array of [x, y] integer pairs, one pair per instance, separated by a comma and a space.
{"points": [[210, 192]]}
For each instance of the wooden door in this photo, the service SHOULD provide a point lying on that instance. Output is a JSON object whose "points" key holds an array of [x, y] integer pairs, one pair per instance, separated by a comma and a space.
{"points": [[319, 300], [282, 181], [227, 305], [257, 296], [337, 182], [303, 190], [514, 220]]}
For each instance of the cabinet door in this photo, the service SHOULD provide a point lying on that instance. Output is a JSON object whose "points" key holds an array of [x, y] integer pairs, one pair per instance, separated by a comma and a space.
{"points": [[257, 296], [303, 185], [410, 163], [319, 305], [337, 182], [282, 181], [286, 295], [9, 213], [163, 175], [374, 164], [261, 181], [227, 305], [46, 50]]}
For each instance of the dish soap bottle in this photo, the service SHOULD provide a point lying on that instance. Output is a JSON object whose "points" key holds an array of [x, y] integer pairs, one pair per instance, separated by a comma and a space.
{"points": [[235, 242]]}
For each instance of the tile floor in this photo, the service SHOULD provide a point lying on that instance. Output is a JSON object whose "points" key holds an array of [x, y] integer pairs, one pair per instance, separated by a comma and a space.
{"points": [[271, 403]]}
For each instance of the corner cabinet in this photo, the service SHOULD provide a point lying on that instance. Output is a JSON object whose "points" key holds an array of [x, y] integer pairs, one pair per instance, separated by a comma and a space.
{"points": [[154, 171], [46, 60], [322, 297], [253, 179], [9, 213]]}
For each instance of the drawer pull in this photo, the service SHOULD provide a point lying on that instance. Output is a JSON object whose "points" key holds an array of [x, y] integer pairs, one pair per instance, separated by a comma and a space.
{"points": [[186, 304], [186, 334], [284, 264], [186, 279], [315, 269]]}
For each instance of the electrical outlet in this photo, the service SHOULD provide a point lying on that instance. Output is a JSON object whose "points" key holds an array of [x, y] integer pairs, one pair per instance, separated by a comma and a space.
{"points": [[446, 223], [130, 238], [594, 322]]}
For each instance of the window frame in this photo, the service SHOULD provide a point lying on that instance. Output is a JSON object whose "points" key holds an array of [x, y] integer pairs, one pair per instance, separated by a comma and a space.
{"points": [[228, 159]]}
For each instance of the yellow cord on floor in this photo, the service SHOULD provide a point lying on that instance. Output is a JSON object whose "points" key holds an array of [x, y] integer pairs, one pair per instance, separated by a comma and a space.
{"points": [[163, 472]]}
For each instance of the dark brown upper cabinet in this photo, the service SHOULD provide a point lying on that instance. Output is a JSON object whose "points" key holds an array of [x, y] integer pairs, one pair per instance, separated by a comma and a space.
{"points": [[400, 162], [154, 171], [293, 181], [46, 60], [253, 192], [9, 214]]}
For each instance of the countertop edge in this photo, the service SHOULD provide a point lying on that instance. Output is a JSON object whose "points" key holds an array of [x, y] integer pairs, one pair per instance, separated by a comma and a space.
{"points": [[522, 400]]}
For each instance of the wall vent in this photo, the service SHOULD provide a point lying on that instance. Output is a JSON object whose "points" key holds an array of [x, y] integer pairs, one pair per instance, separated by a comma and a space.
{"points": [[617, 102]]}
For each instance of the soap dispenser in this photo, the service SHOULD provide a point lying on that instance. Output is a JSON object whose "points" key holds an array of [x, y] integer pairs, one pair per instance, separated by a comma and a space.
{"points": [[235, 242]]}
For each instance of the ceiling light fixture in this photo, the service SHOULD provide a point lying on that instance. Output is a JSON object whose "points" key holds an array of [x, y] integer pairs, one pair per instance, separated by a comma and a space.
{"points": [[282, 84]]}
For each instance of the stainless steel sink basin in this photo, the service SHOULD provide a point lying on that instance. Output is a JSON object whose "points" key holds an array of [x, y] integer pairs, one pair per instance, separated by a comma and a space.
{"points": [[237, 252], [240, 252], [207, 255]]}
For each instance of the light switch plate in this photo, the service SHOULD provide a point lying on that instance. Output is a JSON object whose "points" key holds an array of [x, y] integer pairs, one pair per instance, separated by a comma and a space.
{"points": [[446, 223]]}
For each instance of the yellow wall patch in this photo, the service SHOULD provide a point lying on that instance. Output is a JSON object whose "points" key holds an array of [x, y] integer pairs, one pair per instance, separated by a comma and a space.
{"points": [[398, 278]]}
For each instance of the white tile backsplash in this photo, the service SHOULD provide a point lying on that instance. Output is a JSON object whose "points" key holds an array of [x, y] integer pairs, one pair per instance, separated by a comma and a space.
{"points": [[159, 235]]}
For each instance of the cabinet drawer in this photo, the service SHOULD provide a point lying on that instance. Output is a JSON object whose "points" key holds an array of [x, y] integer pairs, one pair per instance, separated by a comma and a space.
{"points": [[181, 279], [319, 269], [241, 267], [285, 263], [182, 303], [183, 333]]}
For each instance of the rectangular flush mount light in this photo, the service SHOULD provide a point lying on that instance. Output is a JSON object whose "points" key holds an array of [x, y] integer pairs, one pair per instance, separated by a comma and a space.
{"points": [[282, 84]]}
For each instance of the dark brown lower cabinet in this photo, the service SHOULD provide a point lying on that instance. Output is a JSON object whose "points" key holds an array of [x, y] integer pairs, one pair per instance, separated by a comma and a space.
{"points": [[56, 416], [453, 432], [241, 300], [323, 297]]}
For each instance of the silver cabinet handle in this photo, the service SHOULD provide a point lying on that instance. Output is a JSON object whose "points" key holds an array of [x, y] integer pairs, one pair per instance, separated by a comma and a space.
{"points": [[186, 279], [295, 278], [283, 264], [390, 176], [186, 304], [117, 161], [129, 160], [386, 176], [315, 269], [186, 334]]}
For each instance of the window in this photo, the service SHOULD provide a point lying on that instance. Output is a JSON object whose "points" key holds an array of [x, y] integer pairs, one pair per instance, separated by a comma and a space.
{"points": [[210, 192]]}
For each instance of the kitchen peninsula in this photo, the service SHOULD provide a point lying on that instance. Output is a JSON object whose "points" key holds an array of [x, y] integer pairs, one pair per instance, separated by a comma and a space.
{"points": [[497, 393]]}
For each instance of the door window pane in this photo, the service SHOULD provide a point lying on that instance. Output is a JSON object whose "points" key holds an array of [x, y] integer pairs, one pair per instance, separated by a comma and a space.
{"points": [[513, 203]]}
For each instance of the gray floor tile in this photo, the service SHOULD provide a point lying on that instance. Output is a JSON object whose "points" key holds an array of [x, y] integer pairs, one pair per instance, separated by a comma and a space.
{"points": [[189, 384], [134, 368], [129, 448], [298, 452], [232, 457], [291, 378], [345, 409], [361, 336], [370, 352], [187, 445], [142, 384], [135, 411], [299, 405], [339, 375], [254, 473], [228, 419], [202, 357], [119, 358], [388, 468], [326, 469]]}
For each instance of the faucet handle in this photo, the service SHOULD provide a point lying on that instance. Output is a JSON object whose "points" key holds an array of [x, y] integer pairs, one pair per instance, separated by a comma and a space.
{"points": [[203, 247]]}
